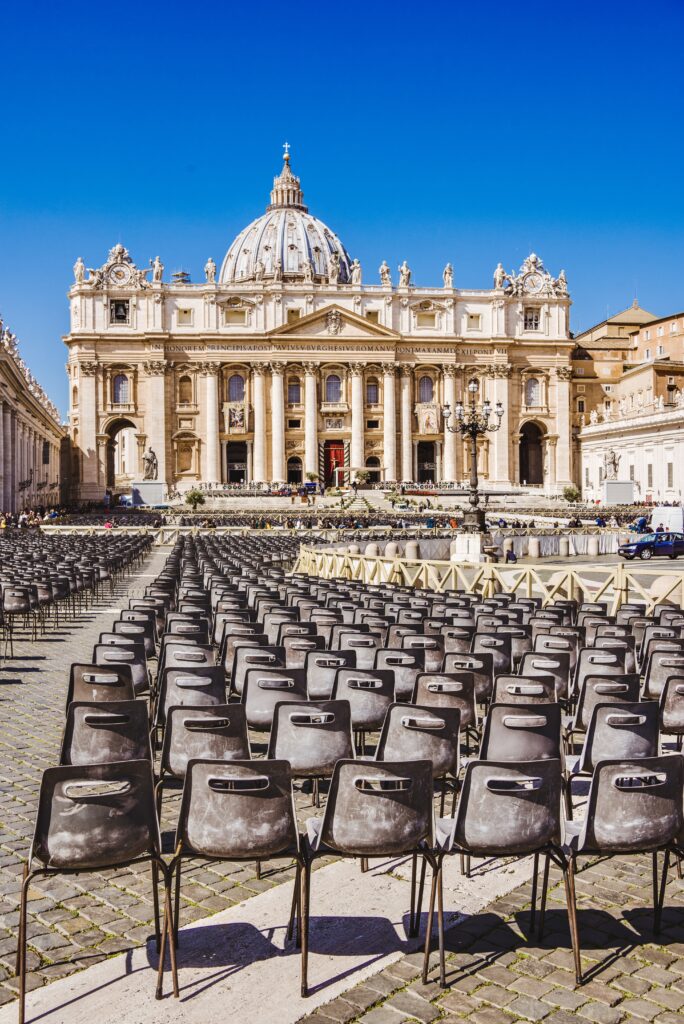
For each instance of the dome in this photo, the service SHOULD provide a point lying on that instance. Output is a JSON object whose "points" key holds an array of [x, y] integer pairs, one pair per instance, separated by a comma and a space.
{"points": [[286, 243]]}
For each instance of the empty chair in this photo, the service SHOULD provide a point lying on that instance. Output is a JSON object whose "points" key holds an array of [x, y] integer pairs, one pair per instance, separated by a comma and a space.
{"points": [[193, 687], [247, 658], [109, 656], [431, 646], [481, 668], [602, 690], [423, 733], [369, 692], [457, 638], [141, 631], [406, 665], [364, 646], [672, 709], [498, 646], [591, 662], [396, 634], [88, 683], [450, 690], [97, 733], [660, 667], [297, 648], [622, 730], [616, 643], [321, 669], [311, 737], [551, 643], [520, 638], [533, 689], [522, 732], [546, 664], [264, 688]]}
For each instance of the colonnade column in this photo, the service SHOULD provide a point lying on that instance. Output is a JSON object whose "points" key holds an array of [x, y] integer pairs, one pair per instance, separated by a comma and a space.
{"points": [[389, 421], [449, 453], [357, 454], [406, 447], [310, 419], [277, 423], [212, 472], [87, 429], [259, 460], [563, 453], [500, 470], [155, 415], [3, 479], [7, 460]]}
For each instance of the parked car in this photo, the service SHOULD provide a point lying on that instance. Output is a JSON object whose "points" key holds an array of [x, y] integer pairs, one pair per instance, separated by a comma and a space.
{"points": [[650, 545]]}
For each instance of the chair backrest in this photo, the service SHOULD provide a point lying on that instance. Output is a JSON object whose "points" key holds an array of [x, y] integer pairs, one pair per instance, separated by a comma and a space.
{"points": [[591, 662], [672, 706], [321, 668], [547, 664], [297, 648], [622, 730], [481, 668], [448, 690], [97, 733], [238, 810], [311, 736], [634, 805], [181, 687], [604, 690], [431, 646], [369, 692], [532, 689], [247, 658], [619, 643], [508, 809], [88, 683], [363, 644], [141, 631], [550, 643], [457, 638], [660, 666], [379, 808], [112, 657], [265, 688], [406, 665], [396, 634], [499, 647], [418, 733], [209, 732], [96, 816], [522, 732]]}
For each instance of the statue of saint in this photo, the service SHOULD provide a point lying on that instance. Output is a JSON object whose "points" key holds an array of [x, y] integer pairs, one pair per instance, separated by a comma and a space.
{"points": [[404, 275], [259, 271], [334, 267], [499, 276], [355, 272], [611, 461], [448, 276], [278, 271], [157, 269], [79, 270], [562, 283], [385, 274], [210, 271], [150, 465], [308, 272]]}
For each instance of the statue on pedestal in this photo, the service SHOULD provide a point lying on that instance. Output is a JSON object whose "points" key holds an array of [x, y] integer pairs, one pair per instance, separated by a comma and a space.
{"points": [[79, 270], [210, 271], [385, 274], [448, 276], [611, 461], [157, 269], [150, 465], [404, 275], [334, 267], [499, 276], [356, 272]]}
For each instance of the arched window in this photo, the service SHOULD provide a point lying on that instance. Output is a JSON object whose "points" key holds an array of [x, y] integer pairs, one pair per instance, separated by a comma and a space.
{"points": [[185, 390], [74, 398], [120, 389], [532, 391], [294, 391], [425, 389], [236, 388], [372, 391], [333, 388]]}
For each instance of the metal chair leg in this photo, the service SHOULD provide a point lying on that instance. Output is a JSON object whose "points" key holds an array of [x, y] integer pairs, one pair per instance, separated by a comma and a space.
{"points": [[428, 933], [661, 894], [545, 889], [21, 946], [304, 928], [535, 873], [569, 878]]}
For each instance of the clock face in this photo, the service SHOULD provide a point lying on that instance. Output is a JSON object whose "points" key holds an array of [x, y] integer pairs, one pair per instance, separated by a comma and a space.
{"points": [[120, 274], [533, 283]]}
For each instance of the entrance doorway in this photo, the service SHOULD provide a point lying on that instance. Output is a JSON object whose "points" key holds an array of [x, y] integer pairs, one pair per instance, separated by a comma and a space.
{"points": [[333, 458], [236, 457], [531, 455], [121, 454], [373, 467], [294, 470], [427, 467]]}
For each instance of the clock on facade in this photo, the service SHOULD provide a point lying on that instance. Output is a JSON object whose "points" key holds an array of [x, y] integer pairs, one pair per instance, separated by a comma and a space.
{"points": [[120, 274], [533, 283]]}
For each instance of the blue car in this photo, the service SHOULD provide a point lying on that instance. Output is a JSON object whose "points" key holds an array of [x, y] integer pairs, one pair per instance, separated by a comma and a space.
{"points": [[651, 545]]}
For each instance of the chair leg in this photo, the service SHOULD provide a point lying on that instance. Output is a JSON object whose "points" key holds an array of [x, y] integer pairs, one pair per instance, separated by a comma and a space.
{"points": [[440, 922], [304, 925], [661, 894], [295, 903], [545, 889], [535, 873], [428, 932], [412, 912], [421, 889], [176, 901], [21, 945], [569, 878], [258, 869], [167, 933], [155, 901]]}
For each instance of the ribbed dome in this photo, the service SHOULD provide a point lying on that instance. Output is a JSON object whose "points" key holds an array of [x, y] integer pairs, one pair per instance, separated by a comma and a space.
{"points": [[286, 242]]}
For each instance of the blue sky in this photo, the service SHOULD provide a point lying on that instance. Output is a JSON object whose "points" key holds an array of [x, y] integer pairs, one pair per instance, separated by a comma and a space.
{"points": [[446, 131]]}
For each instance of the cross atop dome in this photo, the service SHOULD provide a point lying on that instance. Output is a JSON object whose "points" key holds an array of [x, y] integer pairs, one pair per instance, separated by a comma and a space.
{"points": [[286, 187]]}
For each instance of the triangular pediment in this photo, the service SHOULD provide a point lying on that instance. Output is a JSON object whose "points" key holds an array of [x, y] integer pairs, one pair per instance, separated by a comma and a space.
{"points": [[335, 322]]}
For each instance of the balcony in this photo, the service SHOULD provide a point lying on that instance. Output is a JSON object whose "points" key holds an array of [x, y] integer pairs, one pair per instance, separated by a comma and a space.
{"points": [[338, 408]]}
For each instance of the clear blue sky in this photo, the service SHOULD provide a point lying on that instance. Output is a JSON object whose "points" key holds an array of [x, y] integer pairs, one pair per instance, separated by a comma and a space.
{"points": [[431, 132]]}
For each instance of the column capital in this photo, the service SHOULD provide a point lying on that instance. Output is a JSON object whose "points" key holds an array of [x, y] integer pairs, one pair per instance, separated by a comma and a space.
{"points": [[406, 372], [311, 369], [209, 369], [449, 371], [156, 368], [356, 369], [277, 368], [564, 372], [389, 370], [88, 368], [258, 369]]}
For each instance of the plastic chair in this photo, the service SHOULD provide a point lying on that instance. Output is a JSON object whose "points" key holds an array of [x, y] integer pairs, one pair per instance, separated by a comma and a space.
{"points": [[370, 693], [96, 683], [481, 668], [321, 669], [672, 709], [509, 689], [424, 734], [620, 731], [406, 665], [265, 688], [97, 733], [312, 737], [450, 690]]}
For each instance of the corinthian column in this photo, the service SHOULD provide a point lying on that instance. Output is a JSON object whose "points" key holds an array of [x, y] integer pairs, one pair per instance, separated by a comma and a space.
{"points": [[310, 419], [155, 412], [449, 454], [357, 425], [499, 470], [258, 392], [212, 469], [8, 463], [406, 432], [277, 423], [563, 453], [389, 421]]}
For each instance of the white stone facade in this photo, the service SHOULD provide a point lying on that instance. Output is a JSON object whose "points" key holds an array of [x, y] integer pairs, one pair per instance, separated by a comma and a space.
{"points": [[285, 363]]}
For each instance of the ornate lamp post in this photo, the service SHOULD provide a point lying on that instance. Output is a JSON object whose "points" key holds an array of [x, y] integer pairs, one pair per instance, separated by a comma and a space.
{"points": [[472, 421]]}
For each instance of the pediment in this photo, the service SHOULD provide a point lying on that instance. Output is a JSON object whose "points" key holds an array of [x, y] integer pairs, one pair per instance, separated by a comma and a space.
{"points": [[333, 322]]}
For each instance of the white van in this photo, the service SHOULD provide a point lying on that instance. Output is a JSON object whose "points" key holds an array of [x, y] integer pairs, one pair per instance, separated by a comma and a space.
{"points": [[670, 518]]}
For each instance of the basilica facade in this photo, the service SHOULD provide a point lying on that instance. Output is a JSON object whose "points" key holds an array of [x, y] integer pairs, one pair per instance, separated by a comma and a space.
{"points": [[285, 364]]}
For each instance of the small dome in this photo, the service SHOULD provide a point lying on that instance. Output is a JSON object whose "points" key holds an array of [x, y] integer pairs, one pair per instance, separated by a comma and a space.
{"points": [[286, 243]]}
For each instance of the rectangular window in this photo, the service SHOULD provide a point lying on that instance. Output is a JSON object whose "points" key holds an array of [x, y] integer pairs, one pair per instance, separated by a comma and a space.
{"points": [[294, 424], [293, 315], [660, 350], [647, 335], [531, 319], [425, 319], [586, 476], [581, 389], [474, 322], [631, 471], [607, 404], [372, 424], [119, 311], [649, 475], [647, 354], [185, 318], [609, 388], [234, 317], [580, 405], [670, 474], [673, 327], [579, 371], [373, 315], [660, 331]]}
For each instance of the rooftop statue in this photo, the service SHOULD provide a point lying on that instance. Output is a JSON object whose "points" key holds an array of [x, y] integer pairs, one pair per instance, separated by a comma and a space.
{"points": [[448, 276], [404, 275], [210, 271], [385, 274]]}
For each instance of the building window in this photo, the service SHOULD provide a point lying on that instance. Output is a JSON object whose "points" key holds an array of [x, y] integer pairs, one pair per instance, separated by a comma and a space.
{"points": [[372, 424], [74, 398], [185, 318], [660, 331], [609, 388], [294, 424], [532, 391], [673, 327], [531, 319], [670, 474], [119, 311], [372, 391], [647, 353], [236, 388], [425, 319], [631, 471], [373, 315], [474, 322], [233, 317], [425, 389], [586, 476], [579, 371], [185, 390], [607, 405], [293, 315], [647, 335], [580, 405], [660, 350], [120, 389], [294, 391], [333, 388], [649, 475]]}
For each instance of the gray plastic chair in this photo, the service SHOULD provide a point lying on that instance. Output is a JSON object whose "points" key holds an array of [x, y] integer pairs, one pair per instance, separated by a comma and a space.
{"points": [[265, 688], [509, 689], [672, 709], [312, 737], [321, 669], [88, 683], [370, 693], [481, 668], [97, 733], [450, 690], [620, 731], [406, 665]]}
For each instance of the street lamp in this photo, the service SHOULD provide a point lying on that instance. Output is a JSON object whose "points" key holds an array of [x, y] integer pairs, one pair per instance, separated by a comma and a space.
{"points": [[471, 422]]}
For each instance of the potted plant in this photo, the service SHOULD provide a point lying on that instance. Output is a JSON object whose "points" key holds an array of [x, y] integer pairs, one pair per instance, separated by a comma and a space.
{"points": [[194, 498]]}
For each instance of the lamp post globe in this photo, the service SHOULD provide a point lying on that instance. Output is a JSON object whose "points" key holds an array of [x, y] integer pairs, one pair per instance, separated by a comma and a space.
{"points": [[473, 422]]}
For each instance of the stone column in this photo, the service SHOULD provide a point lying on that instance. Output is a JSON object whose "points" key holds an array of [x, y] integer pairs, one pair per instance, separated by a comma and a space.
{"points": [[563, 453], [3, 484], [89, 484], [212, 470], [155, 413], [258, 386], [389, 421], [414, 460], [278, 472], [406, 420], [310, 419], [7, 460], [500, 471], [550, 456], [449, 454], [357, 456], [250, 463]]}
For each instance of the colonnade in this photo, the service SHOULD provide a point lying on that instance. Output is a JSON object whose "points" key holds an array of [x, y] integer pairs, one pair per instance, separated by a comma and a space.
{"points": [[25, 480]]}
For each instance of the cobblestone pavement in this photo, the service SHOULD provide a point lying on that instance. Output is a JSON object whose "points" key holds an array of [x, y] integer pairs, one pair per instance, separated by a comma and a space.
{"points": [[496, 976]]}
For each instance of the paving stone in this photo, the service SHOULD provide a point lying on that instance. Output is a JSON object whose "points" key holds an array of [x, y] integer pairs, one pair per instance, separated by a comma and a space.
{"points": [[529, 1008], [383, 1015], [413, 1005]]}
